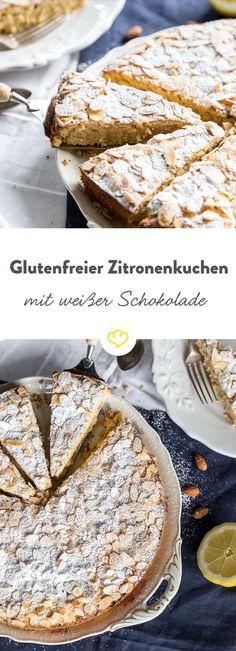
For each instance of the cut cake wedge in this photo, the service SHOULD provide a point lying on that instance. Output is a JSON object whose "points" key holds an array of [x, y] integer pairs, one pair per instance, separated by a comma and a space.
{"points": [[11, 481], [75, 405], [191, 64], [20, 436], [89, 111], [204, 197]]}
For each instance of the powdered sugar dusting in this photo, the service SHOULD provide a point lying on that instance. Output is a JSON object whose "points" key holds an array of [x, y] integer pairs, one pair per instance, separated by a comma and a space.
{"points": [[90, 545], [21, 436], [75, 404], [182, 450], [134, 174]]}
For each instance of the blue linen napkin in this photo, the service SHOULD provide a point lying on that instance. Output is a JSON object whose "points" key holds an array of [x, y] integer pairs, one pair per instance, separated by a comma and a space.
{"points": [[151, 15], [202, 616]]}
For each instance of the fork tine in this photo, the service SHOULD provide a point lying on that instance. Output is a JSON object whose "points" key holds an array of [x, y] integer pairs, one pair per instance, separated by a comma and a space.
{"points": [[199, 376], [213, 389], [195, 383], [200, 381], [206, 382], [39, 31]]}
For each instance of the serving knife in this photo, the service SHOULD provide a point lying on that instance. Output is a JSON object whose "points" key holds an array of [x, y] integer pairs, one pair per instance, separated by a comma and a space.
{"points": [[10, 97], [86, 366]]}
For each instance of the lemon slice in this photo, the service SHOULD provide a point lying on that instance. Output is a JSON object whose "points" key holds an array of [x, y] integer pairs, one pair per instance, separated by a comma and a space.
{"points": [[225, 7], [216, 555]]}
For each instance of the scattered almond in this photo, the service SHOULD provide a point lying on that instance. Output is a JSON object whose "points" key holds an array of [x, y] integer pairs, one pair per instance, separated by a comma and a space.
{"points": [[192, 491], [170, 156], [200, 512], [133, 32], [127, 388], [200, 462]]}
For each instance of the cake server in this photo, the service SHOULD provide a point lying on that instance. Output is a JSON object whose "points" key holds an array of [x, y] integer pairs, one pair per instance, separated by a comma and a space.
{"points": [[38, 108], [9, 97], [86, 366]]}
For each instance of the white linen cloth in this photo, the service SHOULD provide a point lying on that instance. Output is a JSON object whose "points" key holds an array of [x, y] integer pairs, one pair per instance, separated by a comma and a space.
{"points": [[31, 191], [25, 358]]}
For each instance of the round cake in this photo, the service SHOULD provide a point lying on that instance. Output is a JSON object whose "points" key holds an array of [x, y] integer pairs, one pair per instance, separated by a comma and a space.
{"points": [[77, 555]]}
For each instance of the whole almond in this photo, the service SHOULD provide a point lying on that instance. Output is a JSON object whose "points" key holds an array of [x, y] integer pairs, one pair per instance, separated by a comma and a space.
{"points": [[133, 32], [200, 462], [192, 491], [200, 512]]}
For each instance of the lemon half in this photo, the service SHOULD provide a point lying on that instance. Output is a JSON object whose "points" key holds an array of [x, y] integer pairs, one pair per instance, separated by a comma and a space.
{"points": [[216, 555], [225, 7]]}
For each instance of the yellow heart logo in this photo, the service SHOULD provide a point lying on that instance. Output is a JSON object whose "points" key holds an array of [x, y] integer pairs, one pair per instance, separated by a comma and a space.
{"points": [[118, 338]]}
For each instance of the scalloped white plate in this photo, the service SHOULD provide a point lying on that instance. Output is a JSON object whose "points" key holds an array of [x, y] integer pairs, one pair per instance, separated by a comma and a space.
{"points": [[206, 423], [166, 564], [79, 30]]}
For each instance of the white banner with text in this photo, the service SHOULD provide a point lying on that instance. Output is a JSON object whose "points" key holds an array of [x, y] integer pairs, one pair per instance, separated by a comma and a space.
{"points": [[152, 284]]}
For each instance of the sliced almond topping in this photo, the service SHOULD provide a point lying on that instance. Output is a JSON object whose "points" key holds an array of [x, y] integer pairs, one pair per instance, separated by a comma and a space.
{"points": [[105, 603], [170, 156], [96, 115]]}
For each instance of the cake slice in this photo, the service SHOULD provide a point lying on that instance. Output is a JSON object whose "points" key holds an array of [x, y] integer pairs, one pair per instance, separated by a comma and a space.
{"points": [[90, 111], [12, 482], [75, 405], [124, 180], [20, 436], [19, 15], [204, 197], [220, 363], [191, 64]]}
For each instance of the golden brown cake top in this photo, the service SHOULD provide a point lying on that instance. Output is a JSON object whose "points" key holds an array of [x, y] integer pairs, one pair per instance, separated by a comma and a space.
{"points": [[20, 435], [90, 545], [205, 196], [196, 62], [74, 402], [223, 360], [132, 174], [83, 98]]}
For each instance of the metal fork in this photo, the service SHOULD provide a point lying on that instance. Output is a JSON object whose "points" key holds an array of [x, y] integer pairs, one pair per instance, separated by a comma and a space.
{"points": [[13, 41], [198, 376]]}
